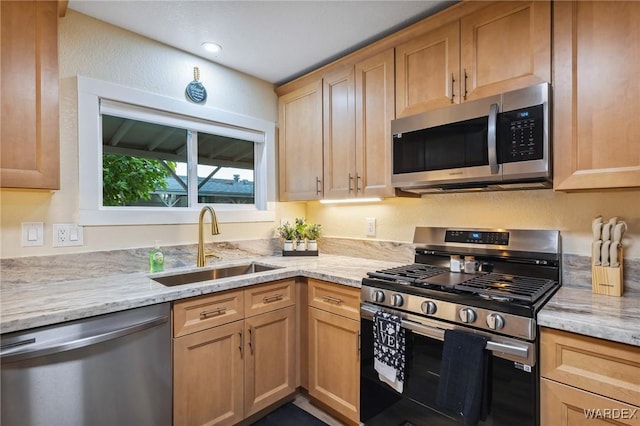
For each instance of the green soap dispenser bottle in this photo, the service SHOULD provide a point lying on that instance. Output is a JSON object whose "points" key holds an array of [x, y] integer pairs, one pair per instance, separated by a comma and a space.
{"points": [[156, 259]]}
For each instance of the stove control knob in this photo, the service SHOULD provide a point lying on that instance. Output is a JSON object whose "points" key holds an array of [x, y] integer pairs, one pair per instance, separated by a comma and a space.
{"points": [[397, 300], [378, 296], [495, 321], [429, 307], [467, 315]]}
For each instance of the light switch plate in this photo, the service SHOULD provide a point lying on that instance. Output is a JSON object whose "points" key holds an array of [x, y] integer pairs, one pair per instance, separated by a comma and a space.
{"points": [[371, 226], [32, 234]]}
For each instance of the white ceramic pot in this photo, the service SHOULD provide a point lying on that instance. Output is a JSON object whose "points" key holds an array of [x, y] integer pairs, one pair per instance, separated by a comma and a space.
{"points": [[300, 245], [312, 245], [288, 245]]}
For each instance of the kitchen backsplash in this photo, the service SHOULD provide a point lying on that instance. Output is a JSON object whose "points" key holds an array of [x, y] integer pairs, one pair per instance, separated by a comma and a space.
{"points": [[576, 270]]}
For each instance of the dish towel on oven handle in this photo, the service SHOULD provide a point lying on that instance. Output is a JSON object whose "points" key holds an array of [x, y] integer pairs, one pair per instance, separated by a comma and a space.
{"points": [[464, 385], [389, 349]]}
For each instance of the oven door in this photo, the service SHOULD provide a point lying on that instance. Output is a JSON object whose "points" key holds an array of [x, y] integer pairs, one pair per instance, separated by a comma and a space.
{"points": [[513, 378]]}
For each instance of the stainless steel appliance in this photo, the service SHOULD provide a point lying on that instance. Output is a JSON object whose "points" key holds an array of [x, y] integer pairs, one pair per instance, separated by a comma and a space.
{"points": [[496, 143], [113, 369], [515, 272]]}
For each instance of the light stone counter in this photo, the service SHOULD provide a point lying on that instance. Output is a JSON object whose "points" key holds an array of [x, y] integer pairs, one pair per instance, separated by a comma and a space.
{"points": [[578, 310], [37, 303], [38, 291]]}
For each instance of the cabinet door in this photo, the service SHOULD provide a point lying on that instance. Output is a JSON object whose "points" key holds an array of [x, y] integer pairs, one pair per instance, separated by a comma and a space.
{"points": [[596, 132], [208, 376], [334, 362], [505, 46], [375, 108], [29, 129], [427, 71], [300, 144], [339, 134], [270, 362], [562, 405]]}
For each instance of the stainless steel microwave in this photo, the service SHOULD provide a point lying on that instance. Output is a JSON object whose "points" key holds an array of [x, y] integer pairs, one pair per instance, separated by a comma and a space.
{"points": [[496, 143]]}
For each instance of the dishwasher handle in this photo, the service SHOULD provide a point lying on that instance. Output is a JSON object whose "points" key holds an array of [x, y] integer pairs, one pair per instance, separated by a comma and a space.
{"points": [[83, 342]]}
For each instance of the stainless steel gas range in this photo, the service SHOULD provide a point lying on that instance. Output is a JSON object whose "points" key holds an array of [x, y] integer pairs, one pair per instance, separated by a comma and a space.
{"points": [[469, 284]]}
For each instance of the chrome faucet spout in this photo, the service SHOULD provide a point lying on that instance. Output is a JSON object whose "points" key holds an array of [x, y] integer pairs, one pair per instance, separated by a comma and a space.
{"points": [[202, 256]]}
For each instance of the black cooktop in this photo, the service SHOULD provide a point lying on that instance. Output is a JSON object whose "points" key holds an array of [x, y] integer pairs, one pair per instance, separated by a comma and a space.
{"points": [[490, 285]]}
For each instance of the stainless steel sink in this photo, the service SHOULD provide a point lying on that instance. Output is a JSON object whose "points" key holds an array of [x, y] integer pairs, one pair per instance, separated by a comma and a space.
{"points": [[212, 274]]}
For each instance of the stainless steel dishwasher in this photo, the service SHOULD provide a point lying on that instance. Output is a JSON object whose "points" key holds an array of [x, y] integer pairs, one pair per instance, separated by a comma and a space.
{"points": [[113, 369]]}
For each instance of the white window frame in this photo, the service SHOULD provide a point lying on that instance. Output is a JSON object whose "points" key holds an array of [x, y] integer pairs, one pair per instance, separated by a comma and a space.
{"points": [[138, 103]]}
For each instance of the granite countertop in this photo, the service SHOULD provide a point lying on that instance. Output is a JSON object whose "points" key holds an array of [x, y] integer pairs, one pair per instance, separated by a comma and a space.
{"points": [[25, 305], [578, 310], [26, 302]]}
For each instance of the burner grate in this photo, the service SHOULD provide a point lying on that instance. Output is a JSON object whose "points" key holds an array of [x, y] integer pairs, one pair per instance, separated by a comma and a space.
{"points": [[409, 273], [508, 286]]}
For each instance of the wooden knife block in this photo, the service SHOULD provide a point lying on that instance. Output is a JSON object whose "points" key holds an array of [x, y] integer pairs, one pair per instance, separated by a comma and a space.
{"points": [[607, 280]]}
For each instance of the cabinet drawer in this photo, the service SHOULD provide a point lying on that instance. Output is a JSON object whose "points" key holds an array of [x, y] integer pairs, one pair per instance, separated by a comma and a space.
{"points": [[269, 297], [335, 298], [599, 366], [562, 405], [200, 313]]}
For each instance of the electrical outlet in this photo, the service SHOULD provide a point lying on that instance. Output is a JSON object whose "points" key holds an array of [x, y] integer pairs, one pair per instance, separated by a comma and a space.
{"points": [[67, 234], [371, 226]]}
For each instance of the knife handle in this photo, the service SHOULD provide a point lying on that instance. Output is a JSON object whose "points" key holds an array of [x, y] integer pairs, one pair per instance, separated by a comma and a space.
{"points": [[595, 252], [604, 253], [606, 231], [613, 255], [596, 226], [619, 231]]}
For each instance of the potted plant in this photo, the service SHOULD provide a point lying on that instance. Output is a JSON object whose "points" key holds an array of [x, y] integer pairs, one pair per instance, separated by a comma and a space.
{"points": [[313, 233], [287, 233], [300, 234]]}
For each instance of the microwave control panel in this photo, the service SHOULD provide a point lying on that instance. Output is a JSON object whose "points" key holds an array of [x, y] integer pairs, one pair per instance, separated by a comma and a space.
{"points": [[522, 134]]}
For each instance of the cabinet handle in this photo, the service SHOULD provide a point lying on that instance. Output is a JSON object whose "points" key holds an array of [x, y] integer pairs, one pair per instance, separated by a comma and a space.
{"points": [[241, 345], [350, 182], [358, 181], [453, 80], [464, 95], [251, 339], [270, 299], [213, 313], [330, 299], [358, 345], [318, 186]]}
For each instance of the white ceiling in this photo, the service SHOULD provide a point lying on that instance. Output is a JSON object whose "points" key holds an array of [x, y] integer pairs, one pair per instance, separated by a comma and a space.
{"points": [[273, 40]]}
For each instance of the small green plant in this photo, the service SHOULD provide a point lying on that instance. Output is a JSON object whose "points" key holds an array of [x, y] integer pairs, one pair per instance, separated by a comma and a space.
{"points": [[314, 231], [300, 229], [286, 231]]}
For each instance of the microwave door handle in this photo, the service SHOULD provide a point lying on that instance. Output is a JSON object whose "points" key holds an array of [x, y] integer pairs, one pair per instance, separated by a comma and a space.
{"points": [[491, 139]]}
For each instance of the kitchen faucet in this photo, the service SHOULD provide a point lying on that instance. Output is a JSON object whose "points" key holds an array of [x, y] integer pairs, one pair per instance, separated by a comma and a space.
{"points": [[202, 256]]}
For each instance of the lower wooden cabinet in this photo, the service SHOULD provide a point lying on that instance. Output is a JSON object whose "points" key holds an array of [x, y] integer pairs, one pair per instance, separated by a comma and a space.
{"points": [[588, 381], [270, 360], [334, 356], [208, 376], [234, 367]]}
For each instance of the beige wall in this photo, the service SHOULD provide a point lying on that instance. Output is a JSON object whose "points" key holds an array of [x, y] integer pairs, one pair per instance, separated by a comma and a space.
{"points": [[95, 49], [541, 209]]}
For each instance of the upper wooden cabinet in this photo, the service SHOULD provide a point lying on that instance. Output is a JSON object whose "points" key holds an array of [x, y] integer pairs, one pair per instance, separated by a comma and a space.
{"points": [[358, 109], [300, 143], [596, 135], [29, 128], [501, 47], [375, 108], [428, 71]]}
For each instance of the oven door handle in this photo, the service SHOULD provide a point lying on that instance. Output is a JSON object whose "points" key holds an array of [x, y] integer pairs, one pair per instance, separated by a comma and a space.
{"points": [[438, 334]]}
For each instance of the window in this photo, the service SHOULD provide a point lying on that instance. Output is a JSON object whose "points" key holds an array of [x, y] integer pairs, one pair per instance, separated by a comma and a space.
{"points": [[148, 159]]}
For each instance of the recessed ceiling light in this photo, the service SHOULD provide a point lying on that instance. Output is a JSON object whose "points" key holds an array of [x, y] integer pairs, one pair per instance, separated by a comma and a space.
{"points": [[211, 47]]}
